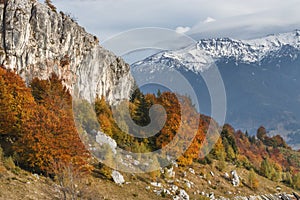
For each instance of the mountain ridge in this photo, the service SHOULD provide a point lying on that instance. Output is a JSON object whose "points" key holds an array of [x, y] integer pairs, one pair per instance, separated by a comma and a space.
{"points": [[249, 51], [207, 51]]}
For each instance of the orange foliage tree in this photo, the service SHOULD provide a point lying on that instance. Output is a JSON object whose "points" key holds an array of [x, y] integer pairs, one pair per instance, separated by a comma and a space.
{"points": [[16, 102], [39, 128]]}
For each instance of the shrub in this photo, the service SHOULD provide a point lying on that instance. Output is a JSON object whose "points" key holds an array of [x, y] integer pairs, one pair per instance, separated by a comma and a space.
{"points": [[252, 180], [296, 181], [50, 5], [9, 163]]}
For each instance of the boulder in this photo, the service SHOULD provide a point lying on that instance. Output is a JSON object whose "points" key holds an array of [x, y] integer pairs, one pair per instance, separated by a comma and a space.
{"points": [[188, 185], [226, 175], [156, 184], [117, 177], [36, 176], [212, 196], [174, 188], [192, 171]]}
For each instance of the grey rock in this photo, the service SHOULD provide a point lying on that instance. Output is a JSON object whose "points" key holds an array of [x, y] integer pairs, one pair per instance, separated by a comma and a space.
{"points": [[188, 185], [103, 139], [212, 196], [174, 188], [191, 170], [156, 184], [36, 41], [182, 195], [36, 176], [117, 177], [235, 178], [296, 195], [226, 175], [169, 172]]}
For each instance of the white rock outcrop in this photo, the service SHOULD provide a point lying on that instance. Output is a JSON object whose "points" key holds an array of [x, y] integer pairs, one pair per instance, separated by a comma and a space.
{"points": [[156, 184], [36, 41], [169, 172], [103, 139], [183, 195], [235, 178]]}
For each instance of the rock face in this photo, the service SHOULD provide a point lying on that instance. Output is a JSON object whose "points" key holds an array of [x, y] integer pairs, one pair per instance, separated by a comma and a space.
{"points": [[36, 41]]}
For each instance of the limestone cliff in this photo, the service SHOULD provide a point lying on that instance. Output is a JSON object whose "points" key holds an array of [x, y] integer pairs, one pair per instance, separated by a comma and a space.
{"points": [[36, 41]]}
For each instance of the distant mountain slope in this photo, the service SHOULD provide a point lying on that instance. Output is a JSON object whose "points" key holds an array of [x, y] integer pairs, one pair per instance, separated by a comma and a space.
{"points": [[261, 78]]}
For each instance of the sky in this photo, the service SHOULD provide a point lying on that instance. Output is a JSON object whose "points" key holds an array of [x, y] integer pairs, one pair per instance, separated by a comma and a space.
{"points": [[238, 19], [205, 18]]}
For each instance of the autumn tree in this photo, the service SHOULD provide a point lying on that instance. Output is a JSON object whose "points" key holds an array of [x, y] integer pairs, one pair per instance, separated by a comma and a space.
{"points": [[49, 135], [16, 104], [261, 133], [104, 115], [171, 104], [47, 139]]}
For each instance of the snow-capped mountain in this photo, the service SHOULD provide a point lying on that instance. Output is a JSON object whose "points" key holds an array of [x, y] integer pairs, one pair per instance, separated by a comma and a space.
{"points": [[261, 78], [191, 58], [249, 51], [197, 57]]}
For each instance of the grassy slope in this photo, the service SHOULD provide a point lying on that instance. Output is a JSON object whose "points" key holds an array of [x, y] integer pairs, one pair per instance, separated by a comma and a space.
{"points": [[26, 186]]}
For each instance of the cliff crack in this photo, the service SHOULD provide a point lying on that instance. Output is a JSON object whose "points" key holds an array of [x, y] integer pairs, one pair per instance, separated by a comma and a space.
{"points": [[31, 12], [4, 26], [61, 39]]}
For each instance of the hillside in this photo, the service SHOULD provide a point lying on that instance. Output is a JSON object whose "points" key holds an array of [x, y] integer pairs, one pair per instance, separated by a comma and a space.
{"points": [[17, 184], [64, 170]]}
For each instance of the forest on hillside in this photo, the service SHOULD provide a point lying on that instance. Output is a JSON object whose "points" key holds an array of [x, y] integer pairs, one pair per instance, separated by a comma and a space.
{"points": [[38, 132]]}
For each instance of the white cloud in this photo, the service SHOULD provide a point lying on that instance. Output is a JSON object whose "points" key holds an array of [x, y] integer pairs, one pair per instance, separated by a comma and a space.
{"points": [[278, 18], [209, 20], [182, 30], [234, 17]]}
